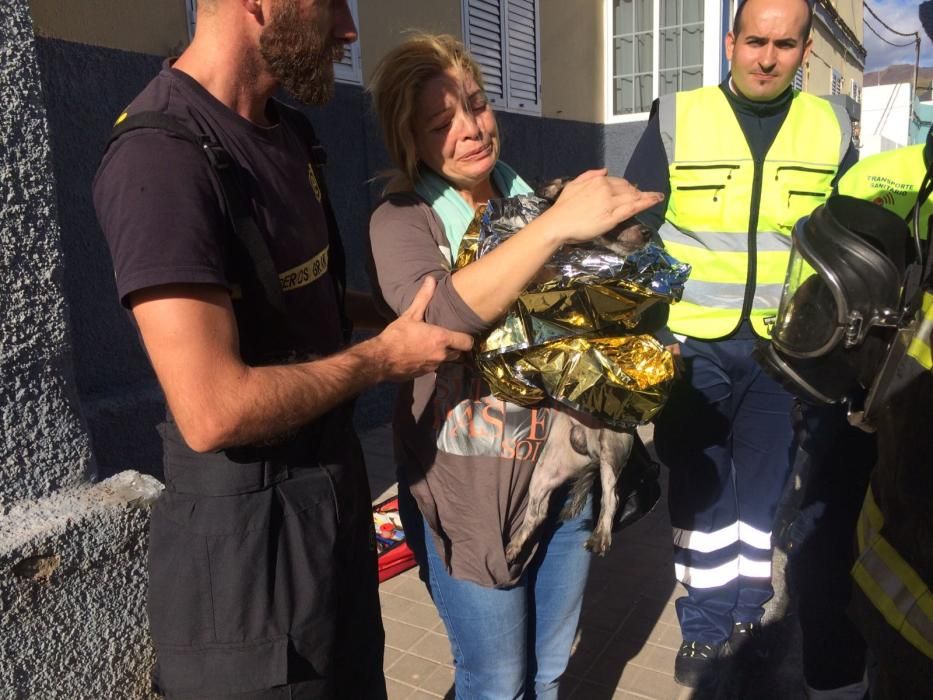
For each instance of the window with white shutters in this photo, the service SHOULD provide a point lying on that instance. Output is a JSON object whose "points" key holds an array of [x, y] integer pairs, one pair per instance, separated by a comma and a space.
{"points": [[798, 78], [836, 86], [856, 91], [502, 36], [347, 70]]}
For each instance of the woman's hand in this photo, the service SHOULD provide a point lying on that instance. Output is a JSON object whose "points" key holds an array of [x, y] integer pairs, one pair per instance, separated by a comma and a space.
{"points": [[593, 204]]}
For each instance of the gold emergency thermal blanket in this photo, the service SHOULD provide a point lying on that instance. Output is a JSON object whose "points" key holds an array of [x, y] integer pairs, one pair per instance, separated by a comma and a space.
{"points": [[574, 334]]}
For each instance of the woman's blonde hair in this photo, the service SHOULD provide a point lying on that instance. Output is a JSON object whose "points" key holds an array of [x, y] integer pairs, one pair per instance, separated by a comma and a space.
{"points": [[395, 85]]}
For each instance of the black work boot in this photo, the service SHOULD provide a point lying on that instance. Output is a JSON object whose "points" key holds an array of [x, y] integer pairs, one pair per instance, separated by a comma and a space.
{"points": [[747, 638], [697, 664]]}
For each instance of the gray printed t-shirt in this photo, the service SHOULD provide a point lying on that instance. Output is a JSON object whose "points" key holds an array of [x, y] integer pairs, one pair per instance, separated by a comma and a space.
{"points": [[468, 455]]}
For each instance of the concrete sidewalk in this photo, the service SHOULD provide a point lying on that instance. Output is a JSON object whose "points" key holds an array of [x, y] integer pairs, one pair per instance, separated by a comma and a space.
{"points": [[628, 632]]}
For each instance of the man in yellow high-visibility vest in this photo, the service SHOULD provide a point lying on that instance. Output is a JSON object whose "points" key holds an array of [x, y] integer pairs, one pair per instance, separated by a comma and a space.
{"points": [[741, 162]]}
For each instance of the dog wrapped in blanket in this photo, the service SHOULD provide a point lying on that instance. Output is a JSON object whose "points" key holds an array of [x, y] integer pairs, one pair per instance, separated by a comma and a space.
{"points": [[581, 446]]}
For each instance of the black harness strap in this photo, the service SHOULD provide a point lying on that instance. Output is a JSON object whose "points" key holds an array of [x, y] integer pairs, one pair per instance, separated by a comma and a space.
{"points": [[241, 218]]}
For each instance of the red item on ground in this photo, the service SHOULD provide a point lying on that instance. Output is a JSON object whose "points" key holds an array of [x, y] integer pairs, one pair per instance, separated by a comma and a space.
{"points": [[394, 554]]}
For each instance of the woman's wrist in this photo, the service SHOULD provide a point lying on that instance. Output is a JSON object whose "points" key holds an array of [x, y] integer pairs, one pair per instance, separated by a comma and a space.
{"points": [[548, 230]]}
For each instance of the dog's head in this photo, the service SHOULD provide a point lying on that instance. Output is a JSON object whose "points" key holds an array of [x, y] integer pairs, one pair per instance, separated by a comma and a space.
{"points": [[626, 238]]}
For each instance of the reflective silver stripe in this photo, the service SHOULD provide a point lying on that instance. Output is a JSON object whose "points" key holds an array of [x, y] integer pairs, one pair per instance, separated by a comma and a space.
{"points": [[767, 296], [720, 295], [918, 619], [898, 593], [765, 241], [717, 295], [890, 582], [845, 125], [717, 576], [707, 542], [667, 122]]}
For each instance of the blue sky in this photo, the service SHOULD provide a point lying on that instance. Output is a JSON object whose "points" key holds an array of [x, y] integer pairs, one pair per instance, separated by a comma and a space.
{"points": [[902, 16]]}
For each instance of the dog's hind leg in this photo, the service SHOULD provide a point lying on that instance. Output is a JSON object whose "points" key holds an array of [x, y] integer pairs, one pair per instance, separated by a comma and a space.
{"points": [[557, 463], [539, 497], [614, 450]]}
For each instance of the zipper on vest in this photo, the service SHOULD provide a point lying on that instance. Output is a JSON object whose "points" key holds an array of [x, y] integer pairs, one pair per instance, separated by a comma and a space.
{"points": [[694, 188], [724, 166], [802, 169], [750, 282], [804, 193]]}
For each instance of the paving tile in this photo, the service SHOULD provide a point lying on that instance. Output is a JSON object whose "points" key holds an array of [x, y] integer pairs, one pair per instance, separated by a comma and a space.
{"points": [[413, 589], [652, 684], [568, 684], [412, 670], [595, 619], [395, 607], [439, 681], [613, 603], [626, 695], [591, 644], [655, 658], [398, 691], [392, 584], [421, 615], [669, 615], [390, 656], [605, 670], [423, 695], [401, 635], [665, 635], [587, 690], [435, 647]]}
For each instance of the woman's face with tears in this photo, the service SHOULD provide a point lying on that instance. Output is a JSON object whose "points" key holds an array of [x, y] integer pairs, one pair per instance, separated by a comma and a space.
{"points": [[455, 129]]}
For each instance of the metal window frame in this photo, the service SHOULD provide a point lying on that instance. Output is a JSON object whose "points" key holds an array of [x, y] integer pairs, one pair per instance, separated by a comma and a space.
{"points": [[715, 13]]}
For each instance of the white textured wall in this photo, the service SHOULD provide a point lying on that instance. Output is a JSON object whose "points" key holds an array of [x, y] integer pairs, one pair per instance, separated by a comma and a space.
{"points": [[885, 117]]}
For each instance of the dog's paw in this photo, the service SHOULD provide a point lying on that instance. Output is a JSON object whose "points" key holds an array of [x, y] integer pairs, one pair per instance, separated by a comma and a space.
{"points": [[599, 543], [512, 552]]}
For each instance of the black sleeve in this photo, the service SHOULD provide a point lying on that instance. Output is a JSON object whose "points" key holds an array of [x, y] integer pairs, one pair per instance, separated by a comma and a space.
{"points": [[648, 168], [159, 206], [848, 160]]}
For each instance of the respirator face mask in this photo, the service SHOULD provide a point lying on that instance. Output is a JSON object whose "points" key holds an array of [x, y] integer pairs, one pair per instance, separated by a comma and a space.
{"points": [[841, 300]]}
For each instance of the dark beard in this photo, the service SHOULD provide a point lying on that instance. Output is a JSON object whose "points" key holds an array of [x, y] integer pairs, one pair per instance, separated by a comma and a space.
{"points": [[299, 56]]}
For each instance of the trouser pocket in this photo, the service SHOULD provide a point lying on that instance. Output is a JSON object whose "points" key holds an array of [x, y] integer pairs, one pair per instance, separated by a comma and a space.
{"points": [[242, 587]]}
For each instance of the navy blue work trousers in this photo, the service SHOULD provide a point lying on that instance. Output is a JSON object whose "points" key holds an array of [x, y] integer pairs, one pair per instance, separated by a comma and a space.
{"points": [[727, 438]]}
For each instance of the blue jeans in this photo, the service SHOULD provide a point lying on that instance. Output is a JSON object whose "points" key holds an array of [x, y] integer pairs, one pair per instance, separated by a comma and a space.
{"points": [[515, 642]]}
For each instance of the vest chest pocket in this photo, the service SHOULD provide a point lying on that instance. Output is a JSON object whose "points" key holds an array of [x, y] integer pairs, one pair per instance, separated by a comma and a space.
{"points": [[701, 195], [798, 191]]}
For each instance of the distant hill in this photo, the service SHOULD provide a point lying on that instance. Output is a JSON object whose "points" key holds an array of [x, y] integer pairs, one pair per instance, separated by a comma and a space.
{"points": [[900, 73]]}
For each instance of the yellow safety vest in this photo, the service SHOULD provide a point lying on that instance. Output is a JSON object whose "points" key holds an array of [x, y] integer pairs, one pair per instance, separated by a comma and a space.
{"points": [[730, 217], [892, 180]]}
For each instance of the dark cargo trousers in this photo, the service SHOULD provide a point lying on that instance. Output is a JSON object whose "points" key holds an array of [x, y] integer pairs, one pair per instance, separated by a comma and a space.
{"points": [[263, 576], [727, 438], [830, 477]]}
